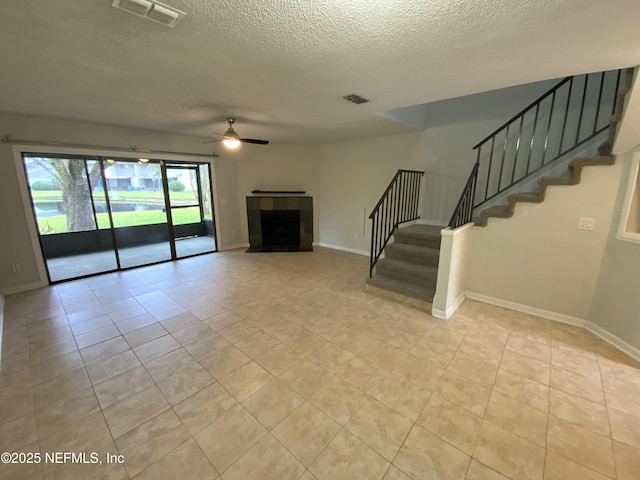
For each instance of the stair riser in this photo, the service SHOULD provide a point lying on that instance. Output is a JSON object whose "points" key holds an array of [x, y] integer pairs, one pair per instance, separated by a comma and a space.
{"points": [[429, 242], [428, 259], [426, 281]]}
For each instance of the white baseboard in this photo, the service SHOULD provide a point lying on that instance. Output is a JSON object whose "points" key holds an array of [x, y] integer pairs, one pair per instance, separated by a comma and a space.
{"points": [[344, 249], [446, 315], [23, 288], [540, 312], [233, 247], [613, 340]]}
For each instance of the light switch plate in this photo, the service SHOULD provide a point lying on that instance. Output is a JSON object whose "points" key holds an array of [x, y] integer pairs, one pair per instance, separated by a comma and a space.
{"points": [[586, 223]]}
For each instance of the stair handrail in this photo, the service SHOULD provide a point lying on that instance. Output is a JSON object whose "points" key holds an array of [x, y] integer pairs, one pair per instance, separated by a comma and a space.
{"points": [[398, 204], [609, 78], [463, 213]]}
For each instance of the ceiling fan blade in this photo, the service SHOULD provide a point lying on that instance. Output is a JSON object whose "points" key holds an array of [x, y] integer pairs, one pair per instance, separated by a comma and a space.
{"points": [[254, 140], [212, 141]]}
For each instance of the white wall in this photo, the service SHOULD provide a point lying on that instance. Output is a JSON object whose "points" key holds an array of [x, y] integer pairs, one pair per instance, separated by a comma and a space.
{"points": [[616, 301], [18, 246], [276, 167], [538, 258]]}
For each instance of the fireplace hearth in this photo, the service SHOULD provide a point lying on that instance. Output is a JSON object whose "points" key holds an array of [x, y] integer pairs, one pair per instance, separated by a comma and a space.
{"points": [[280, 224]]}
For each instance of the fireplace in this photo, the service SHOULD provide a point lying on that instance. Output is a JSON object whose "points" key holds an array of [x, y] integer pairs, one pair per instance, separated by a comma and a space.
{"points": [[280, 224]]}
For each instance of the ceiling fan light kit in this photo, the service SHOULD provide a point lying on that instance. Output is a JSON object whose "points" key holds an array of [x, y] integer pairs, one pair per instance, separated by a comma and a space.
{"points": [[231, 139]]}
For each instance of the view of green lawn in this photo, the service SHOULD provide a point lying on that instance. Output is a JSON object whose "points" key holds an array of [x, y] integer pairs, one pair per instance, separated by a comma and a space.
{"points": [[58, 223], [115, 195]]}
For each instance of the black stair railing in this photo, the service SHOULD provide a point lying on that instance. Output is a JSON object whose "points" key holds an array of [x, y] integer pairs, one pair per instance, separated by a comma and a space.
{"points": [[570, 114], [398, 204]]}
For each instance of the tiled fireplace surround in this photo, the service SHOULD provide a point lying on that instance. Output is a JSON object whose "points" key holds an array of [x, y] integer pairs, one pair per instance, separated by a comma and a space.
{"points": [[257, 204]]}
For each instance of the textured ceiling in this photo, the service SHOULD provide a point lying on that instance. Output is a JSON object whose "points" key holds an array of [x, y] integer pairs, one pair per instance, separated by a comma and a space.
{"points": [[281, 66]]}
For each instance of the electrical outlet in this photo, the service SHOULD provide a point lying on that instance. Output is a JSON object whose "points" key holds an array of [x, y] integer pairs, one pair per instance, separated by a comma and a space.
{"points": [[586, 223], [15, 268]]}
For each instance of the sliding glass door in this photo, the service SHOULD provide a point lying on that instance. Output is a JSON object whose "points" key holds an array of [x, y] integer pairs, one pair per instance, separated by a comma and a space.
{"points": [[100, 214]]}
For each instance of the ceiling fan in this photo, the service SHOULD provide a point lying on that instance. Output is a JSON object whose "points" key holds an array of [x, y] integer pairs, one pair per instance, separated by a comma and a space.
{"points": [[231, 139]]}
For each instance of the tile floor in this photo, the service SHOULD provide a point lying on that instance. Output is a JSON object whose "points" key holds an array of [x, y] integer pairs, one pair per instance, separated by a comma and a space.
{"points": [[279, 366]]}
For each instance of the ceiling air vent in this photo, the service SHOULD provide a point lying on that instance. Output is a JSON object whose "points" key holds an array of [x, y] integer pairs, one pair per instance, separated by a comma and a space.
{"points": [[357, 99], [151, 10]]}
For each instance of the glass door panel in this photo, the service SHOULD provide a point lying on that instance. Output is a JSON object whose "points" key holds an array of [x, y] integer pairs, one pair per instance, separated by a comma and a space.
{"points": [[191, 229], [64, 190], [137, 205]]}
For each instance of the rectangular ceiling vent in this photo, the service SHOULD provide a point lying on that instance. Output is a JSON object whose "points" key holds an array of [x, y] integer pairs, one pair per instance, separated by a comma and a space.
{"points": [[151, 10], [357, 99]]}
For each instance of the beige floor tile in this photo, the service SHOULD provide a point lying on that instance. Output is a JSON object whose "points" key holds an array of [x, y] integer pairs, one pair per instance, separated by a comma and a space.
{"points": [[582, 446], [419, 371], [224, 361], [627, 461], [205, 407], [151, 441], [560, 468], [168, 364], [394, 473], [18, 432], [103, 350], [15, 405], [238, 331], [20, 471], [622, 399], [206, 345], [186, 461], [156, 348], [304, 342], [479, 471], [519, 418], [222, 320], [524, 390], [423, 455], [135, 323], [127, 414], [87, 326], [576, 384], [347, 457], [97, 336], [362, 374], [305, 378], [278, 360], [306, 432], [54, 367], [528, 348], [338, 399], [381, 428], [451, 423], [256, 344], [352, 340], [112, 365], [383, 354], [55, 416], [575, 362], [437, 353], [525, 366], [473, 369], [402, 396], [229, 437], [189, 380], [625, 428], [61, 386], [508, 454], [468, 395], [482, 352], [246, 380], [266, 460], [192, 332], [331, 357], [442, 335], [122, 385], [51, 354], [590, 415], [272, 403], [145, 334]]}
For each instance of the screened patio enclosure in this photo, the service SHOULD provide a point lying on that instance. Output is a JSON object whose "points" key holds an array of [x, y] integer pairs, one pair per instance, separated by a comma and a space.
{"points": [[96, 214]]}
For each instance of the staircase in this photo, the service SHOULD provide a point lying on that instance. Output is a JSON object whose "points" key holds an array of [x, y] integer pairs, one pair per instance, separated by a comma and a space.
{"points": [[409, 270], [548, 143]]}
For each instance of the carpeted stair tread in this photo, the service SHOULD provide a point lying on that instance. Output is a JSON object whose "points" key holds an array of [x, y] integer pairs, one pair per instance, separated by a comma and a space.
{"points": [[405, 288], [407, 272], [412, 253]]}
